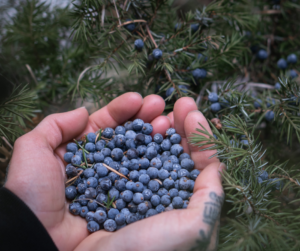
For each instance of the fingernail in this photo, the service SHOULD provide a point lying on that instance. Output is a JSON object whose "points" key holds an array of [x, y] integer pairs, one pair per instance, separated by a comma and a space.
{"points": [[168, 119], [82, 107], [196, 111], [139, 94]]}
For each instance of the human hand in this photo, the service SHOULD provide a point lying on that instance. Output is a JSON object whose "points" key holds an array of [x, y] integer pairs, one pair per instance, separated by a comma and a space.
{"points": [[37, 169], [194, 228]]}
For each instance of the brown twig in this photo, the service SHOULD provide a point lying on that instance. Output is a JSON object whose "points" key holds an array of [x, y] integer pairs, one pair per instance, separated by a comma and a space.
{"points": [[150, 35], [72, 180], [113, 170], [286, 177], [6, 141]]}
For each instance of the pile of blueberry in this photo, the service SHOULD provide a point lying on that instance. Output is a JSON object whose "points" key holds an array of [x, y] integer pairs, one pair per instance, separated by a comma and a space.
{"points": [[117, 177]]}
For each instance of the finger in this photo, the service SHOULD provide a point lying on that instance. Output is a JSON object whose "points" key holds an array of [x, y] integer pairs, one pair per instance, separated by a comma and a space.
{"points": [[171, 116], [191, 122], [58, 128], [160, 125], [116, 112], [152, 107]]}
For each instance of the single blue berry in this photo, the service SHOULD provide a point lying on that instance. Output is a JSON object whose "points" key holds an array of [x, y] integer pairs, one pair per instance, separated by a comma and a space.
{"points": [[83, 212], [144, 179], [107, 133], [183, 183], [147, 194], [148, 139], [152, 172], [108, 160], [183, 173], [76, 160], [155, 162], [166, 145], [91, 137], [173, 175], [110, 225], [184, 156], [75, 208], [277, 86], [151, 212], [117, 154], [130, 134], [131, 218], [157, 53], [199, 74], [90, 193], [138, 187], [72, 147], [194, 27], [126, 195], [176, 149], [71, 171], [168, 165], [165, 200], [163, 174], [293, 74], [88, 173], [187, 164], [194, 174], [281, 64], [106, 152], [111, 214], [93, 226], [151, 152], [143, 163], [184, 194], [106, 184], [120, 219], [292, 59], [213, 97], [138, 44], [100, 216], [147, 128], [68, 157], [139, 139], [142, 208], [81, 188], [153, 185], [215, 107], [169, 91], [269, 116], [137, 124], [138, 198], [130, 27], [70, 192], [183, 88], [177, 202], [168, 183], [92, 182], [262, 54], [174, 159], [264, 175], [175, 138], [158, 138], [92, 205], [173, 192]]}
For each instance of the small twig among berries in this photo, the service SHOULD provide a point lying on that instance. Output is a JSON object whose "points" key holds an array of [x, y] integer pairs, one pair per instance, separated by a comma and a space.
{"points": [[113, 170], [72, 180], [93, 201], [80, 146], [158, 181]]}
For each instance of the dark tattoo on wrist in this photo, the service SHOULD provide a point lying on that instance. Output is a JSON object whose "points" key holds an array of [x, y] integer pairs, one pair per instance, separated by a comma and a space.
{"points": [[211, 215]]}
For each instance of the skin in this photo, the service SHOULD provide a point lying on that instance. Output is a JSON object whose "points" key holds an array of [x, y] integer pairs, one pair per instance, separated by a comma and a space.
{"points": [[37, 176]]}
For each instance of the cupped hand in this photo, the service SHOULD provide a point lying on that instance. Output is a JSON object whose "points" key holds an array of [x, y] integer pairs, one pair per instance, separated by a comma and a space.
{"points": [[37, 176]]}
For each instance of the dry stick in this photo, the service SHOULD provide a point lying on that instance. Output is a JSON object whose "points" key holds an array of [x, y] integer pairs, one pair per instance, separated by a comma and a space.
{"points": [[158, 181], [103, 15], [92, 200], [113, 170], [31, 73], [124, 6], [6, 141], [117, 12], [74, 178], [150, 35], [286, 177]]}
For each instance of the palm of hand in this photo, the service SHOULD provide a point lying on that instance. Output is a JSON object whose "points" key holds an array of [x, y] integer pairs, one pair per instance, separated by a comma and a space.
{"points": [[37, 176]]}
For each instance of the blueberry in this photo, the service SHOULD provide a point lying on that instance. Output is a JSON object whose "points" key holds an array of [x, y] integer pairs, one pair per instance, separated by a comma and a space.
{"points": [[173, 192], [142, 150], [68, 157], [82, 200], [91, 137], [142, 208], [126, 195], [130, 143], [120, 185], [157, 54], [89, 216], [107, 133], [147, 128], [100, 216], [176, 149], [139, 139], [155, 145], [106, 152], [75, 208], [142, 171], [120, 204], [183, 183], [151, 152], [277, 86], [120, 141], [128, 125], [140, 216], [132, 153], [183, 173], [108, 160], [175, 138], [215, 107], [152, 172], [137, 124], [166, 145], [183, 88], [199, 73], [194, 27], [112, 213], [293, 74], [292, 59], [92, 182], [151, 212], [144, 163], [113, 194], [130, 27], [132, 207], [83, 212], [110, 225], [194, 174], [70, 192], [153, 185], [144, 178], [134, 175], [92, 205], [262, 54], [101, 170], [168, 165], [165, 156], [281, 64], [113, 177], [187, 164], [100, 145], [148, 139], [111, 144], [156, 162], [129, 185], [131, 218], [213, 97], [76, 160], [106, 184], [125, 211], [71, 171], [165, 200], [88, 173], [72, 147], [169, 91], [98, 157], [184, 194], [264, 175], [90, 158], [174, 175], [147, 193], [163, 174], [158, 138], [138, 198], [177, 202], [257, 103], [162, 191], [138, 187], [115, 165], [117, 154], [160, 208], [269, 116], [168, 183], [124, 171], [93, 226], [155, 200], [120, 219], [90, 147]]}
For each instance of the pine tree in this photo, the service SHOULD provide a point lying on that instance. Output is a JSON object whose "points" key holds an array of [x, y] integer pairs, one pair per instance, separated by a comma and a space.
{"points": [[231, 56]]}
